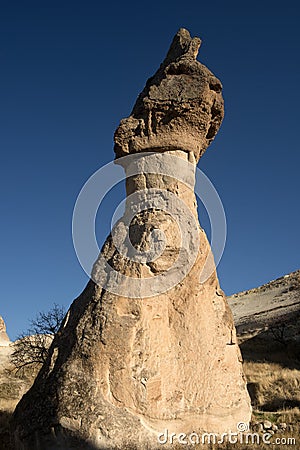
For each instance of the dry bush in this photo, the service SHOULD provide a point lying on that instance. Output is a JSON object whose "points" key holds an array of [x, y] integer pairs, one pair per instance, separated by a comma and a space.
{"points": [[277, 388], [21, 365]]}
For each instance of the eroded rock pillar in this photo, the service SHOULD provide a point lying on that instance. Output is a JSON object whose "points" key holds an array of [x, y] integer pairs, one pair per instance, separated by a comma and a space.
{"points": [[148, 346]]}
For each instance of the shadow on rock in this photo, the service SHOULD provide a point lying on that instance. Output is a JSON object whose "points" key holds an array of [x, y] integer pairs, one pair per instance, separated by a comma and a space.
{"points": [[5, 417], [279, 404], [263, 348]]}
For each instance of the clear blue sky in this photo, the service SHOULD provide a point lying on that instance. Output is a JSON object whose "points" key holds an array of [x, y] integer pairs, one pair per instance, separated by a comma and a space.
{"points": [[71, 70]]}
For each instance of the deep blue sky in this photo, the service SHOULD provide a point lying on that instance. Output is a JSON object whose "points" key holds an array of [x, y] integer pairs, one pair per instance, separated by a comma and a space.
{"points": [[71, 70]]}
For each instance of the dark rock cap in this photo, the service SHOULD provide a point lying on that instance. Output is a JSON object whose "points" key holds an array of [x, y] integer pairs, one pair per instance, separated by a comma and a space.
{"points": [[180, 108]]}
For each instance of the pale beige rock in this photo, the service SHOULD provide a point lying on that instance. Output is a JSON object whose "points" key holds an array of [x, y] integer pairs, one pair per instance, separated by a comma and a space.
{"points": [[4, 339], [123, 370]]}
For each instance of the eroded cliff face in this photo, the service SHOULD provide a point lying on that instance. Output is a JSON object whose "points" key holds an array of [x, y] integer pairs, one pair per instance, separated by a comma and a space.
{"points": [[153, 348]]}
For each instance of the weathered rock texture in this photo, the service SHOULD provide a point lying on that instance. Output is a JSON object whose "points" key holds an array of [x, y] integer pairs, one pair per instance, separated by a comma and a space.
{"points": [[122, 370], [4, 339], [181, 106]]}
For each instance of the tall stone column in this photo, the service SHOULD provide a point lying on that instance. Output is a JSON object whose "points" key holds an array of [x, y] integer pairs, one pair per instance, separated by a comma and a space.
{"points": [[150, 344]]}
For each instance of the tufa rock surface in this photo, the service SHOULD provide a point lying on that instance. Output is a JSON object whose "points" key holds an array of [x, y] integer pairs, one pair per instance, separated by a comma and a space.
{"points": [[152, 349], [4, 339], [180, 108]]}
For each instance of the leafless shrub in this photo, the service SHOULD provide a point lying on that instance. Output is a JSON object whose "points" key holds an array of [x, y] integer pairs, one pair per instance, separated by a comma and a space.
{"points": [[32, 346], [278, 333]]}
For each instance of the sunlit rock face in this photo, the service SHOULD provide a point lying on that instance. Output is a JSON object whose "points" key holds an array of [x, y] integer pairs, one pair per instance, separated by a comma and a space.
{"points": [[153, 348], [4, 339], [181, 106]]}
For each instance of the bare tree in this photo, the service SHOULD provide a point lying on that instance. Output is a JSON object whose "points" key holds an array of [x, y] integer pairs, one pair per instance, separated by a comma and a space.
{"points": [[279, 333], [32, 346]]}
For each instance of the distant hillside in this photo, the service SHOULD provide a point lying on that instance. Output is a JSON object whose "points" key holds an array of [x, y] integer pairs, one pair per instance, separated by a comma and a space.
{"points": [[267, 320], [272, 304]]}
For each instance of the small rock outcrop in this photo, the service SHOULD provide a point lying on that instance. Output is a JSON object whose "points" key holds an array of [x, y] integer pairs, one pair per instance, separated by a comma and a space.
{"points": [[147, 349], [4, 339]]}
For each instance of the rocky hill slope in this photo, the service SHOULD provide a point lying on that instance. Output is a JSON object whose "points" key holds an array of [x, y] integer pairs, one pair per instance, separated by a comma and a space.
{"points": [[267, 320], [269, 305]]}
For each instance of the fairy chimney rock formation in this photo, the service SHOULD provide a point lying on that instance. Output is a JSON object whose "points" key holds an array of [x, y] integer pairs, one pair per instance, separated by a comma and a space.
{"points": [[147, 348], [4, 339]]}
